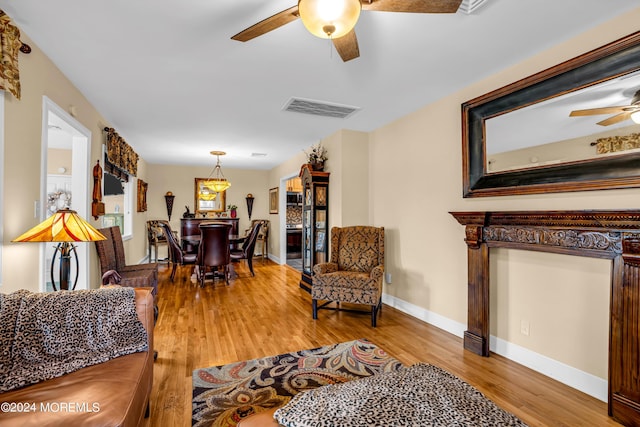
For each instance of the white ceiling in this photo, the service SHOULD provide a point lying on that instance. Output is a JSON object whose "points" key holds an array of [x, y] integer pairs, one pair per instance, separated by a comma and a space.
{"points": [[169, 79]]}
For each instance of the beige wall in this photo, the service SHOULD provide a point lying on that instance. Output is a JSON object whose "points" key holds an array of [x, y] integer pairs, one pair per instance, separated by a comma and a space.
{"points": [[21, 166], [180, 181], [565, 300], [348, 163], [57, 158]]}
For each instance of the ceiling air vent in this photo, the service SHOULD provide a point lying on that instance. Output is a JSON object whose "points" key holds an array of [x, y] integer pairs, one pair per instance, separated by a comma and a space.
{"points": [[319, 108], [469, 6]]}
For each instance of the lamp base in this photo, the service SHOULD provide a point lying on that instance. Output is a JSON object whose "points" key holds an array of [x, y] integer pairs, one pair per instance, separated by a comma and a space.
{"points": [[66, 250]]}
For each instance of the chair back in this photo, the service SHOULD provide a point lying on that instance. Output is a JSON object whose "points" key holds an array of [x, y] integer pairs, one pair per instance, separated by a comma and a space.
{"points": [[175, 253], [214, 249], [106, 251], [357, 248], [249, 244], [155, 234], [118, 247]]}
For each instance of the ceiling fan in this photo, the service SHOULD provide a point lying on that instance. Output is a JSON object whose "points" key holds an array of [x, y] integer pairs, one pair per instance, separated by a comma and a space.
{"points": [[339, 27], [620, 113]]}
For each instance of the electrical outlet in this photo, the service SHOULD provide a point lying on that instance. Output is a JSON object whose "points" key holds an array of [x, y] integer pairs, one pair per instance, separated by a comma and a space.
{"points": [[524, 327], [387, 278]]}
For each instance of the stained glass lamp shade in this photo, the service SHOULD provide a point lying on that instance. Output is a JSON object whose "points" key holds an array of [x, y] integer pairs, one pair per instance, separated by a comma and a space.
{"points": [[66, 227]]}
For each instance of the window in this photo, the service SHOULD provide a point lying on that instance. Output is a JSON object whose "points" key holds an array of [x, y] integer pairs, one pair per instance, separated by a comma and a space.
{"points": [[118, 204]]}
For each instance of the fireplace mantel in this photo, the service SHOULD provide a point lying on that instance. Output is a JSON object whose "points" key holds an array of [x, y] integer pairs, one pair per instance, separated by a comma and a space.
{"points": [[613, 235]]}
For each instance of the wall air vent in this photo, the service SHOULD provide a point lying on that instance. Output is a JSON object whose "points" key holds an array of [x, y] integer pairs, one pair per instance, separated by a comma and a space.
{"points": [[319, 108], [469, 6]]}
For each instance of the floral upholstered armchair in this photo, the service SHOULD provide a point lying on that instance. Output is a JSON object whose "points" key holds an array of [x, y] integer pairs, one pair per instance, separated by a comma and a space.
{"points": [[354, 273]]}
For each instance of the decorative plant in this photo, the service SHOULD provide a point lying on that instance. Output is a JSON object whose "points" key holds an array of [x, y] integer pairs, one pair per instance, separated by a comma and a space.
{"points": [[317, 154], [232, 207]]}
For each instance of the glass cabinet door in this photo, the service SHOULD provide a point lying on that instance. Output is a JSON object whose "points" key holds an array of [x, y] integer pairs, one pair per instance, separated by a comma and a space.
{"points": [[315, 222]]}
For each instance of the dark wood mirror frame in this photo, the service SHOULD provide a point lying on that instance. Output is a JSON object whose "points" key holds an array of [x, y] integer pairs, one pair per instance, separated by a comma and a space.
{"points": [[610, 61]]}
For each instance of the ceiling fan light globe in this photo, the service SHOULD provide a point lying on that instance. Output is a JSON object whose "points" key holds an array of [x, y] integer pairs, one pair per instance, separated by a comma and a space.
{"points": [[339, 16], [635, 116]]}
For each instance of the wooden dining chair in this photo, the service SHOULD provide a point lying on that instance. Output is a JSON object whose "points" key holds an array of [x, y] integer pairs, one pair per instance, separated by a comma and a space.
{"points": [[248, 247], [176, 255], [214, 251]]}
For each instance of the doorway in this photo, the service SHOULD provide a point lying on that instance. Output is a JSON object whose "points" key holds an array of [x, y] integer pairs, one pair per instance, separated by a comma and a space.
{"points": [[293, 221], [65, 183]]}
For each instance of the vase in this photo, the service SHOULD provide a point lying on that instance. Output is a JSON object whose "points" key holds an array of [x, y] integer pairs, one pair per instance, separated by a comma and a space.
{"points": [[233, 213], [317, 166]]}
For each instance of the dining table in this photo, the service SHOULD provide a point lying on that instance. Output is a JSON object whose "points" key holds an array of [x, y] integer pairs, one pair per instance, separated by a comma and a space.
{"points": [[194, 240]]}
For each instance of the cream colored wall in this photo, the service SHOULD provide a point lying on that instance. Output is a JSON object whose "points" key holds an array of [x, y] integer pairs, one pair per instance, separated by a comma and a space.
{"points": [[564, 300], [180, 181], [21, 169], [352, 182], [57, 158], [348, 163]]}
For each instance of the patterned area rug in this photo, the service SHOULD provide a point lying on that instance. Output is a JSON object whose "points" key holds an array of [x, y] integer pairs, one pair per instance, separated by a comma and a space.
{"points": [[223, 395]]}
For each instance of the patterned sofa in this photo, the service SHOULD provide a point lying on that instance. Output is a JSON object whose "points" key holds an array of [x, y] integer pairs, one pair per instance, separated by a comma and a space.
{"points": [[114, 392], [354, 273]]}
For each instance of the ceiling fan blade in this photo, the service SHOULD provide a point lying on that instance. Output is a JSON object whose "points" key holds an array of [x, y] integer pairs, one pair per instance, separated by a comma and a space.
{"points": [[412, 6], [616, 119], [347, 46], [266, 25], [596, 111]]}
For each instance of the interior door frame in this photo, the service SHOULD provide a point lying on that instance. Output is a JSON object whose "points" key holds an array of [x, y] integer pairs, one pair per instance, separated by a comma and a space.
{"points": [[81, 150]]}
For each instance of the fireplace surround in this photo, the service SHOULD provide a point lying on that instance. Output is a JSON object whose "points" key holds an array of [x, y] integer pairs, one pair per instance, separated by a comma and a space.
{"points": [[608, 234]]}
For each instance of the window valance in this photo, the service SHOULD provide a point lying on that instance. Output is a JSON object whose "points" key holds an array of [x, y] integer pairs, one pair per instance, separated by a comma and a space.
{"points": [[10, 46], [121, 160]]}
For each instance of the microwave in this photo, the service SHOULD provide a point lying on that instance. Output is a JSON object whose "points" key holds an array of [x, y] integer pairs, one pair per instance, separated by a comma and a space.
{"points": [[294, 198]]}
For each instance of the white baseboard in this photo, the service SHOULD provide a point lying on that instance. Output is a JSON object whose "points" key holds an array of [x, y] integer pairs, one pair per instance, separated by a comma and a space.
{"points": [[430, 317], [274, 259], [575, 378]]}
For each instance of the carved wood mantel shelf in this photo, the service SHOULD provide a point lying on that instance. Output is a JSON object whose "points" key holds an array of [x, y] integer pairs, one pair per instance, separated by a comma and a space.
{"points": [[611, 235]]}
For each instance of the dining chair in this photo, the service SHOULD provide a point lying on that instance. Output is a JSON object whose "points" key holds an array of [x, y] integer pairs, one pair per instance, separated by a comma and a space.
{"points": [[248, 247], [263, 235], [214, 250], [176, 254], [155, 237]]}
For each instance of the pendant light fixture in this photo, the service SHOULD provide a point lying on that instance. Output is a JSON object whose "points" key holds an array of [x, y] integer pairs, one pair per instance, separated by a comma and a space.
{"points": [[216, 181], [329, 19]]}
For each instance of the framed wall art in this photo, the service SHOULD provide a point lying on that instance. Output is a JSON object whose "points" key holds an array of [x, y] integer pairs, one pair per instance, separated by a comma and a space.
{"points": [[273, 200], [142, 196]]}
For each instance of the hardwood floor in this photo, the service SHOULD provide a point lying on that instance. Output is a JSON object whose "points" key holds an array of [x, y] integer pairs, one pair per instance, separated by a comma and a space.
{"points": [[269, 314]]}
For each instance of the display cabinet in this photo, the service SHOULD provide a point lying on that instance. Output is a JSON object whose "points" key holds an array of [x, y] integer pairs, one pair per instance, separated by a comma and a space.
{"points": [[315, 221]]}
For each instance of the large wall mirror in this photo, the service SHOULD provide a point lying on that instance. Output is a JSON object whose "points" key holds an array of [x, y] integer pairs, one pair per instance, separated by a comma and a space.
{"points": [[568, 128], [207, 201]]}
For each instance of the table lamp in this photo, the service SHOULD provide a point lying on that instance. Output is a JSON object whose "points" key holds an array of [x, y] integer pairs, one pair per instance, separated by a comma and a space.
{"points": [[64, 226]]}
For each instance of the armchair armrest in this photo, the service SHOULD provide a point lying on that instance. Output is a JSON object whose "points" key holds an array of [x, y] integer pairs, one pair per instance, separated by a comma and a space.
{"points": [[377, 272], [324, 268]]}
